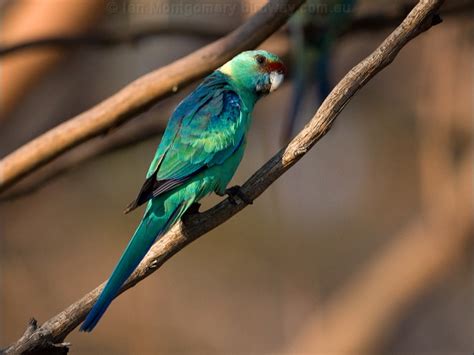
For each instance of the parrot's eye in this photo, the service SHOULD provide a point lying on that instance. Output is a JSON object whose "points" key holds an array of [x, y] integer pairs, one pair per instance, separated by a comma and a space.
{"points": [[260, 59]]}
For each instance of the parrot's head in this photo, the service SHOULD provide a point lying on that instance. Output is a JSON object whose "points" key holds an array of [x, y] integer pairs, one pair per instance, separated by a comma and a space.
{"points": [[257, 71]]}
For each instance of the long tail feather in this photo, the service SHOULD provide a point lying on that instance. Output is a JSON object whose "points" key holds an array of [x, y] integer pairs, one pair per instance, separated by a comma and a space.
{"points": [[149, 230]]}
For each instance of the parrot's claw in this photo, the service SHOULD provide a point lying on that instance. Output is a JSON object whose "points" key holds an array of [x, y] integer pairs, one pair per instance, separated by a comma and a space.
{"points": [[236, 192], [194, 208], [153, 265]]}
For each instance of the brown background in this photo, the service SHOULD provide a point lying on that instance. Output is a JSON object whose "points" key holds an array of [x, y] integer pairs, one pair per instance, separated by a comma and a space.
{"points": [[251, 285]]}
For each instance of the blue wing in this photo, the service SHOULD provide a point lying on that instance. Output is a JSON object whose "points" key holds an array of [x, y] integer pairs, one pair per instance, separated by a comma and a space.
{"points": [[204, 130]]}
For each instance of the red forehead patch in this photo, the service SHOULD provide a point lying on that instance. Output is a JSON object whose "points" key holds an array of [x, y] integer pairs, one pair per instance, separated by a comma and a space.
{"points": [[275, 66]]}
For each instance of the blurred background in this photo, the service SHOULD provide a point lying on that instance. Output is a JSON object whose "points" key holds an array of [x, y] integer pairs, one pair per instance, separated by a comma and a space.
{"points": [[364, 247]]}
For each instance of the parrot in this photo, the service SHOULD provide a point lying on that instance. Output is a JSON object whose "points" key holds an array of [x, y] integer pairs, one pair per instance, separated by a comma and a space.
{"points": [[313, 32], [199, 152]]}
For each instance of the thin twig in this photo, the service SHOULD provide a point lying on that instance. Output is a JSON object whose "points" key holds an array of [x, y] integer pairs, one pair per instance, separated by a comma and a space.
{"points": [[421, 18], [109, 39]]}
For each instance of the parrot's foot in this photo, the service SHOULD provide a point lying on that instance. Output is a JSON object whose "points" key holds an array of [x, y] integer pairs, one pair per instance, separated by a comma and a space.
{"points": [[194, 208], [235, 191]]}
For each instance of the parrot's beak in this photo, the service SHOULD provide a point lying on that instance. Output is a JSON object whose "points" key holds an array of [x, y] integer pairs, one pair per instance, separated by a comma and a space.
{"points": [[276, 78], [277, 73]]}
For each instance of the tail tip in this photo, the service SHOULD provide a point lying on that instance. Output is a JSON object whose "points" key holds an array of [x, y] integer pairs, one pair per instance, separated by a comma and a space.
{"points": [[87, 327], [92, 319]]}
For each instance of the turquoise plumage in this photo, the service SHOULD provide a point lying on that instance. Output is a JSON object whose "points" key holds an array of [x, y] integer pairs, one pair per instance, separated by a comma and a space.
{"points": [[200, 151]]}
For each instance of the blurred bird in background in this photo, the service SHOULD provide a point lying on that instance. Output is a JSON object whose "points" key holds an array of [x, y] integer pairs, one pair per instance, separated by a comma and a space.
{"points": [[313, 33]]}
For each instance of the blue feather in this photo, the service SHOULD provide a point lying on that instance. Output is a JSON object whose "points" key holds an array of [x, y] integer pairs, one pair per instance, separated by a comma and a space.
{"points": [[136, 250]]}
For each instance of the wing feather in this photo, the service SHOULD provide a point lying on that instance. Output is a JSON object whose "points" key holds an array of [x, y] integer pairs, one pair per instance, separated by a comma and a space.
{"points": [[205, 130]]}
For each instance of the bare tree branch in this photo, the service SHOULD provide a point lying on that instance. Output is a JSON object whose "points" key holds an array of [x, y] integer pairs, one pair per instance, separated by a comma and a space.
{"points": [[124, 137], [109, 39], [25, 20], [421, 18], [143, 92]]}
